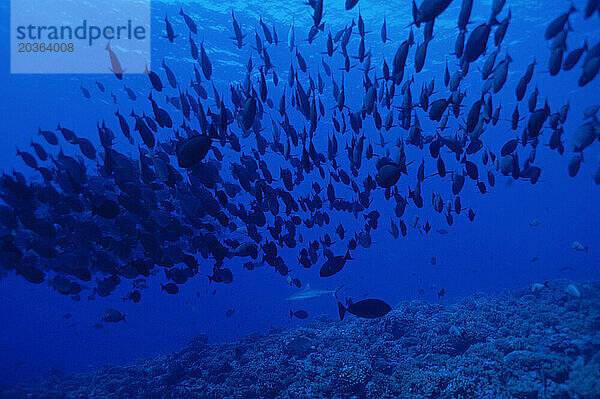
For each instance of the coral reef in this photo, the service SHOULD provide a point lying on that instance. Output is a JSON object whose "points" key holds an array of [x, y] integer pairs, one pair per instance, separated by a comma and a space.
{"points": [[517, 344]]}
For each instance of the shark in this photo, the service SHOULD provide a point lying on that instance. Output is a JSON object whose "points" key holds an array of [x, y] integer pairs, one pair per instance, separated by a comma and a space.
{"points": [[309, 293]]}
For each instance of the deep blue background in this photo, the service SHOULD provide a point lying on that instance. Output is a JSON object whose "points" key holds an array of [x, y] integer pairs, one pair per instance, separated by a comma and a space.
{"points": [[489, 254]]}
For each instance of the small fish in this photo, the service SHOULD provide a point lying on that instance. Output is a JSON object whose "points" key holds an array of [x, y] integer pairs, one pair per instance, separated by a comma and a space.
{"points": [[134, 296], [130, 93], [299, 314], [86, 92], [116, 67], [113, 316], [170, 288], [573, 291], [537, 286], [577, 246], [170, 33], [189, 22]]}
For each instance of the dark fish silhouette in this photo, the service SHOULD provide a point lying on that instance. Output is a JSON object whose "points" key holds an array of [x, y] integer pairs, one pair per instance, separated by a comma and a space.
{"points": [[189, 22], [170, 32], [367, 308]]}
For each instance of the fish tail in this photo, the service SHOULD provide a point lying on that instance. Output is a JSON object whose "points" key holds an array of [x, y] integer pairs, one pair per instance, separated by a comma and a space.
{"points": [[341, 310], [291, 314], [572, 9], [348, 257], [338, 289], [493, 20]]}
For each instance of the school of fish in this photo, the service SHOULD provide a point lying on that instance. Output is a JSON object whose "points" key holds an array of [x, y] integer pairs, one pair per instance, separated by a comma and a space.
{"points": [[208, 198]]}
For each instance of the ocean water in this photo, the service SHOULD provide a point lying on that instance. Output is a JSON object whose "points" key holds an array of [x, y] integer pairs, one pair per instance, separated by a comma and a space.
{"points": [[521, 233]]}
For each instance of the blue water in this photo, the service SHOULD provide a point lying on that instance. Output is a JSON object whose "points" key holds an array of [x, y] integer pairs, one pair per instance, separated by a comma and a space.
{"points": [[489, 254]]}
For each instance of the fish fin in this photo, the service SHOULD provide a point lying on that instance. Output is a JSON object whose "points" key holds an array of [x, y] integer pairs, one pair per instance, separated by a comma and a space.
{"points": [[493, 21], [348, 257], [572, 9], [338, 289], [341, 310]]}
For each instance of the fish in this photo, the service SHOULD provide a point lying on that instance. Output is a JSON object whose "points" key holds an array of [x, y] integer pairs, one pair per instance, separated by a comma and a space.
{"points": [[134, 296], [170, 75], [383, 34], [112, 315], [85, 92], [239, 36], [557, 24], [429, 10], [366, 308], [464, 15], [299, 314], [189, 22], [170, 288], [205, 62], [577, 246], [334, 264], [573, 291], [310, 293], [154, 79], [170, 32], [193, 150], [573, 57], [476, 43], [116, 67]]}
